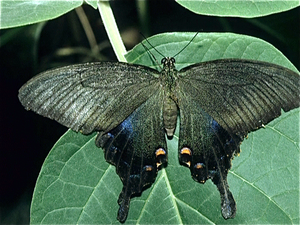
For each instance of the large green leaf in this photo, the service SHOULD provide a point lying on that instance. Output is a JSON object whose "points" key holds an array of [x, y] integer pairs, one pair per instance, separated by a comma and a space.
{"points": [[76, 185], [238, 8], [24, 12], [205, 47]]}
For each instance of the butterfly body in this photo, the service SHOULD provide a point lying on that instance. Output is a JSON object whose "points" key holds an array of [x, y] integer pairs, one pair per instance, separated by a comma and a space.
{"points": [[168, 80], [133, 107]]}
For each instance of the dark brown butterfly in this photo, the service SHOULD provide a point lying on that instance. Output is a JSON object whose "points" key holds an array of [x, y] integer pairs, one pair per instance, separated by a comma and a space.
{"points": [[133, 107]]}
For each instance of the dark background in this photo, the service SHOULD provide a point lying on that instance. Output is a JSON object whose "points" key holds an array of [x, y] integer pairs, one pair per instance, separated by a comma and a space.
{"points": [[26, 138]]}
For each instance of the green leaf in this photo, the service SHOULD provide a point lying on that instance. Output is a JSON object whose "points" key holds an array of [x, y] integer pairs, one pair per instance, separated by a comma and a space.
{"points": [[24, 12], [205, 47], [92, 3], [238, 8], [76, 185]]}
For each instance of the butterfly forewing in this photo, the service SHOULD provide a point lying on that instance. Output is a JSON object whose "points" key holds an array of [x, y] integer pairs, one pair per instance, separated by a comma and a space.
{"points": [[241, 95], [89, 97]]}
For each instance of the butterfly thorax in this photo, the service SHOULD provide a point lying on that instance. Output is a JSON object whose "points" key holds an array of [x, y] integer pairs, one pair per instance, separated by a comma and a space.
{"points": [[168, 79], [168, 74]]}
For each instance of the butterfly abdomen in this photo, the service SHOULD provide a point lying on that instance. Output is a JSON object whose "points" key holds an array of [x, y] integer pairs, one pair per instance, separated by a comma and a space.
{"points": [[169, 115]]}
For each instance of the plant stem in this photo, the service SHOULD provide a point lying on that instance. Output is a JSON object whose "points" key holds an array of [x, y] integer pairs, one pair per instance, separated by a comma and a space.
{"points": [[112, 30]]}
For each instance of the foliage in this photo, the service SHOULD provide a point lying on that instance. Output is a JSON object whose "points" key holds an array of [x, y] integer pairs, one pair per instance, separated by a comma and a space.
{"points": [[76, 185]]}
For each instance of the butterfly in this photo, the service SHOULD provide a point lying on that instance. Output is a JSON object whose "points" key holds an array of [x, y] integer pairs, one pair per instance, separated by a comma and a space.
{"points": [[133, 107]]}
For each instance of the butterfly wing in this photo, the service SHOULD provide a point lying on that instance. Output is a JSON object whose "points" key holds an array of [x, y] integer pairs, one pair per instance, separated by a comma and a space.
{"points": [[122, 99], [89, 97], [241, 95], [137, 147], [220, 102], [207, 149]]}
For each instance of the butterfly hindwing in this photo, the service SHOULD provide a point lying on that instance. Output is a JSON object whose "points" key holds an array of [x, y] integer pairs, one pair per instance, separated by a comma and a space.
{"points": [[89, 97], [137, 147], [207, 149]]}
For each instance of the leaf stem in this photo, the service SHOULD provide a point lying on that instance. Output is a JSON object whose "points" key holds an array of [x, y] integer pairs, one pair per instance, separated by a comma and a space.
{"points": [[112, 30]]}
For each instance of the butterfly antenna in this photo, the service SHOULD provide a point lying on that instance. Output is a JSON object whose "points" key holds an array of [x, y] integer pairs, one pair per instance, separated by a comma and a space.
{"points": [[186, 45], [152, 46], [149, 52]]}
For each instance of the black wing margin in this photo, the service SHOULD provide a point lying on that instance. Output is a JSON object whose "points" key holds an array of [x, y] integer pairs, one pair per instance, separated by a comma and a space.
{"points": [[88, 97]]}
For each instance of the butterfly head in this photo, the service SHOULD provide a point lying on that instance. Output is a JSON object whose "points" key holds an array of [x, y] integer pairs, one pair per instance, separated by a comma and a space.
{"points": [[168, 62]]}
